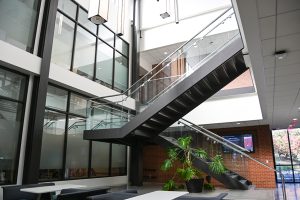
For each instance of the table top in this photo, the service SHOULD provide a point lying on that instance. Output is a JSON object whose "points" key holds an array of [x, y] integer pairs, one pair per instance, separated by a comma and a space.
{"points": [[165, 195], [52, 188]]}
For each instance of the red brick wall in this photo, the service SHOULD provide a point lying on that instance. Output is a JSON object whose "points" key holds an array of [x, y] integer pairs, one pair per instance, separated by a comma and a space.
{"points": [[260, 176]]}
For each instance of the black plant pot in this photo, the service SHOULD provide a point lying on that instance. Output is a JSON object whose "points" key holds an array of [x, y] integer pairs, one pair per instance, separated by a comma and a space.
{"points": [[194, 185], [208, 179]]}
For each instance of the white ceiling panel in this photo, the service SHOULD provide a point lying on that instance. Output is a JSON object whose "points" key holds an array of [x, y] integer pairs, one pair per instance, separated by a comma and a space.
{"points": [[266, 8], [287, 5], [267, 28], [288, 23], [290, 42], [268, 47]]}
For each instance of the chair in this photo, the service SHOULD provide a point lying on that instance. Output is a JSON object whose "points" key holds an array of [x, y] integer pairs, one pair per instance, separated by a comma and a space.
{"points": [[81, 193], [13, 192]]}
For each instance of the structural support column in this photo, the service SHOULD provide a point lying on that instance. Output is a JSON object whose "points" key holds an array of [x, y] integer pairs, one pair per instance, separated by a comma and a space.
{"points": [[136, 164], [35, 128]]}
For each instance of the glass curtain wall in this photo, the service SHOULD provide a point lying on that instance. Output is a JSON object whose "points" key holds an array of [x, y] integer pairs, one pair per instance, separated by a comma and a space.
{"points": [[286, 144], [65, 155], [18, 22], [13, 88], [94, 52]]}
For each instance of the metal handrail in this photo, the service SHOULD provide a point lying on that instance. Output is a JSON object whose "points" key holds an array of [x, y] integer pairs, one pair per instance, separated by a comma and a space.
{"points": [[170, 55], [211, 135]]}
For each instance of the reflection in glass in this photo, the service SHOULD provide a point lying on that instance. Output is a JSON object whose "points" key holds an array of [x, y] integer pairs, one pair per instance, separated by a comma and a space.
{"points": [[18, 22], [12, 85], [281, 147], [106, 35], [100, 159], [104, 67], [67, 7], [78, 105], [56, 98], [294, 135], [297, 173], [84, 57], [63, 41], [121, 72], [287, 173], [83, 20], [10, 127], [100, 117], [77, 149], [121, 46], [51, 162], [118, 160]]}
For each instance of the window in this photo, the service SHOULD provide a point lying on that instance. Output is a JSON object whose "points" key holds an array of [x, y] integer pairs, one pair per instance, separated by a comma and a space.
{"points": [[65, 155], [18, 21], [90, 50], [63, 41], [12, 102]]}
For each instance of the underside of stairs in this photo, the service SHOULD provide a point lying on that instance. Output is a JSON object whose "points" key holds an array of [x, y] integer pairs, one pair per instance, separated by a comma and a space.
{"points": [[212, 74]]}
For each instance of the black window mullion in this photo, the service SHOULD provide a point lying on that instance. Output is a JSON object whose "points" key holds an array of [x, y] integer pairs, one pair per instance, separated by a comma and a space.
{"points": [[90, 159], [114, 58], [66, 137], [74, 39], [110, 160]]}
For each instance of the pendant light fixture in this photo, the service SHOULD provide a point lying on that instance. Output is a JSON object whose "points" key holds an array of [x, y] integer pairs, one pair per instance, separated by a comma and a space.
{"points": [[166, 13], [98, 11], [176, 11], [120, 17]]}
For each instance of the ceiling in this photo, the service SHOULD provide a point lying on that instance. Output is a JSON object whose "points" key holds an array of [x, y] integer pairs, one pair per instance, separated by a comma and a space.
{"points": [[276, 23]]}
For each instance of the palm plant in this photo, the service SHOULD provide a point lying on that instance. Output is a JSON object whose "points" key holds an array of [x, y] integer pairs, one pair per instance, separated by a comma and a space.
{"points": [[185, 154]]}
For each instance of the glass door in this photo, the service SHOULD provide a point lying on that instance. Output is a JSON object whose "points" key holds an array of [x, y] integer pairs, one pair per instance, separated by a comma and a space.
{"points": [[286, 145]]}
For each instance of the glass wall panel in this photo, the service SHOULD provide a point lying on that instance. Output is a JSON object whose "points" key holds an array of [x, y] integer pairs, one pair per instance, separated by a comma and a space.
{"points": [[56, 98], [63, 41], [104, 68], [121, 46], [100, 159], [77, 156], [67, 7], [121, 72], [78, 105], [18, 22], [118, 160], [287, 173], [100, 117], [84, 21], [294, 135], [281, 147], [106, 35], [12, 85], [297, 173], [51, 163], [84, 57]]}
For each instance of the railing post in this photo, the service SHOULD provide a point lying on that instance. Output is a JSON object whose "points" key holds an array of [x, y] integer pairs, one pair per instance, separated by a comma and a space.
{"points": [[283, 185]]}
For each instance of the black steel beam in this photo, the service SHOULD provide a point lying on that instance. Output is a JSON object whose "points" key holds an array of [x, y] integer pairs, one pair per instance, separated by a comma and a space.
{"points": [[35, 132]]}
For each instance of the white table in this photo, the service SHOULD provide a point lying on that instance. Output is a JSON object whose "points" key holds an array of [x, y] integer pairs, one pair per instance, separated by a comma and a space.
{"points": [[49, 189], [165, 195]]}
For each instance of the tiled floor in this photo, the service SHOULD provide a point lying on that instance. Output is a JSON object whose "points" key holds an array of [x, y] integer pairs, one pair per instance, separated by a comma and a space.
{"points": [[292, 190]]}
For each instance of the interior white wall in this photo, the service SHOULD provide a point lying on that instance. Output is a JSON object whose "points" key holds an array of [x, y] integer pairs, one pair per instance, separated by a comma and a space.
{"points": [[230, 109]]}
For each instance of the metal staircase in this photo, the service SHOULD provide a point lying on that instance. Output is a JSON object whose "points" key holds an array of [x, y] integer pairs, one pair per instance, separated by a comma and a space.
{"points": [[164, 98]]}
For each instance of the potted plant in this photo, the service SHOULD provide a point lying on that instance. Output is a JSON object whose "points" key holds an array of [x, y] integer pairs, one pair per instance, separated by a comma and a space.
{"points": [[192, 176]]}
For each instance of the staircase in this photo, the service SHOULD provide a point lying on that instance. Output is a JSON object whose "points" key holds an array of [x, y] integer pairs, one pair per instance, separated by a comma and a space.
{"points": [[231, 179], [202, 75]]}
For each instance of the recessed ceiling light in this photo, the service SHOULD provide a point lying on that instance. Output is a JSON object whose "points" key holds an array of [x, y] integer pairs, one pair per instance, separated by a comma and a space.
{"points": [[298, 108], [165, 53], [195, 46], [280, 54], [238, 123], [295, 119]]}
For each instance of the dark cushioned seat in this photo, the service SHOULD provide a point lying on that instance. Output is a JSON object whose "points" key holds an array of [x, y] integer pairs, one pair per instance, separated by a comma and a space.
{"points": [[184, 197], [13, 192], [113, 196], [81, 193]]}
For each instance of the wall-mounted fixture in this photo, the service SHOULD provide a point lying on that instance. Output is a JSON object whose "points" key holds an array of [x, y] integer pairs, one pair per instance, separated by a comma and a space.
{"points": [[280, 54], [98, 11]]}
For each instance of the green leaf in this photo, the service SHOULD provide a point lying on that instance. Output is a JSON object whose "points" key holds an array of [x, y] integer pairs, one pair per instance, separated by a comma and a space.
{"points": [[201, 153], [172, 153], [184, 142], [217, 165], [186, 173], [169, 185], [167, 164]]}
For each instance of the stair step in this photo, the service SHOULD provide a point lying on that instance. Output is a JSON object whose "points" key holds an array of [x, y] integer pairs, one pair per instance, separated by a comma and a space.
{"points": [[234, 176], [243, 181]]}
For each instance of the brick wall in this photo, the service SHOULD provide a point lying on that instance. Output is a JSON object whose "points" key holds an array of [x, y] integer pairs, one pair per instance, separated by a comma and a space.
{"points": [[261, 177]]}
